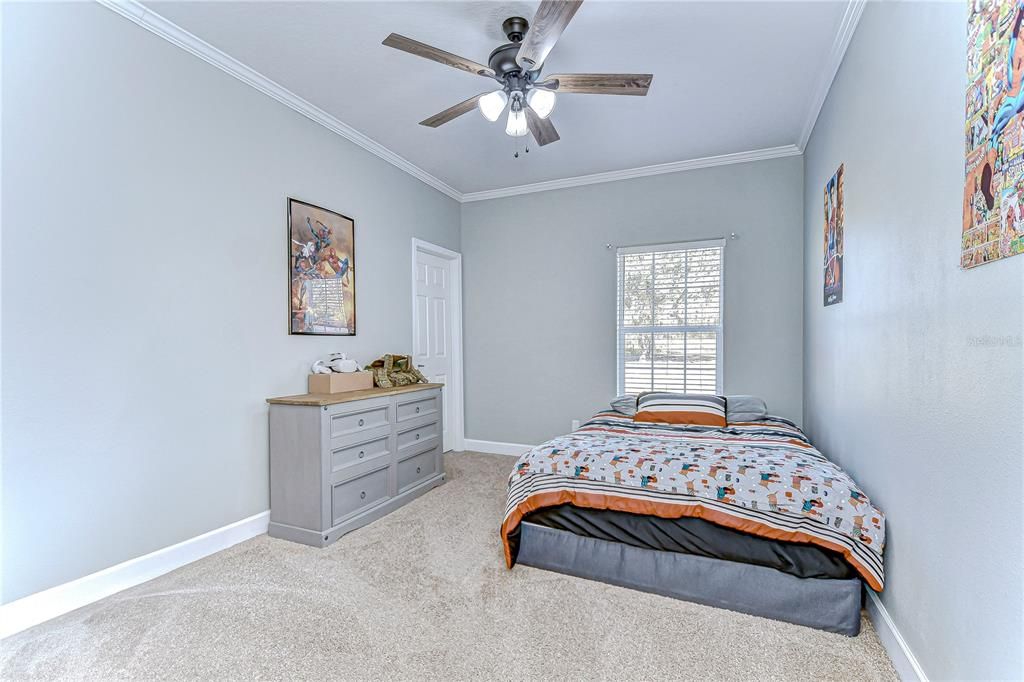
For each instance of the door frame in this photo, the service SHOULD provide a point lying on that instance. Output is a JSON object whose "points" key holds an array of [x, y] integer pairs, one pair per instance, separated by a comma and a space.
{"points": [[454, 390]]}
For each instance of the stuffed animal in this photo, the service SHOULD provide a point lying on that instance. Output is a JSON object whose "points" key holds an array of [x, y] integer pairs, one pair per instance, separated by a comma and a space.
{"points": [[335, 362]]}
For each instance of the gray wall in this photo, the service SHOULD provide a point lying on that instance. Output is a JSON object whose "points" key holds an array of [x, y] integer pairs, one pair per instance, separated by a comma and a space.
{"points": [[144, 286], [913, 382], [540, 290]]}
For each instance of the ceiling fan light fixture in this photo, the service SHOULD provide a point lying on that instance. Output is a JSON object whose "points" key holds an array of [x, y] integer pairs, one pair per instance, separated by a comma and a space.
{"points": [[492, 104], [541, 101], [516, 126]]}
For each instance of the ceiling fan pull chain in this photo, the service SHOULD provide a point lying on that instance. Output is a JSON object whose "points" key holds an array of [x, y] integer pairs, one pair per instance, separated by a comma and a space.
{"points": [[526, 149]]}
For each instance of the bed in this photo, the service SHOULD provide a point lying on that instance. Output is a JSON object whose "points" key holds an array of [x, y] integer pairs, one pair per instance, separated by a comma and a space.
{"points": [[749, 517]]}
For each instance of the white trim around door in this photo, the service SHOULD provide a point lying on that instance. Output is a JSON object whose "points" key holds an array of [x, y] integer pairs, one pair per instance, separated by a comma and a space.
{"points": [[453, 390]]}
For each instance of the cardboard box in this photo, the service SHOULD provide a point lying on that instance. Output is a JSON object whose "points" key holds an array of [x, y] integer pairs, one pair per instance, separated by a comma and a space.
{"points": [[339, 382]]}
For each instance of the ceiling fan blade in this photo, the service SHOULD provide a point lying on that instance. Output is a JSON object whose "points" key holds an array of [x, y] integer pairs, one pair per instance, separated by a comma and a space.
{"points": [[419, 49], [600, 83], [542, 128], [547, 26], [452, 113]]}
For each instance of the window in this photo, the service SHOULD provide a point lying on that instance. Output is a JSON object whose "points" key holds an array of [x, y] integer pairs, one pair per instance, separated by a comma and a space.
{"points": [[670, 317]]}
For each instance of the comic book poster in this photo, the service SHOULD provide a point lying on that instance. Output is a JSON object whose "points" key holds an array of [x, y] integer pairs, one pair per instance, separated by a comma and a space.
{"points": [[321, 265], [834, 238], [993, 221]]}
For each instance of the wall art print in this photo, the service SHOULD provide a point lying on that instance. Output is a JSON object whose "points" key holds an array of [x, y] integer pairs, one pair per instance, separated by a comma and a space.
{"points": [[834, 216], [993, 218], [321, 271]]}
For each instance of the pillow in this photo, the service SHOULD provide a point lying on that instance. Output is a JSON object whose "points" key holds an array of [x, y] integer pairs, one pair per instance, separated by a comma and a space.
{"points": [[625, 404], [744, 408], [680, 408]]}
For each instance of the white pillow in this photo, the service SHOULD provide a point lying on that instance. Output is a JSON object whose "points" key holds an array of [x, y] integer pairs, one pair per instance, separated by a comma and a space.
{"points": [[744, 408], [625, 404]]}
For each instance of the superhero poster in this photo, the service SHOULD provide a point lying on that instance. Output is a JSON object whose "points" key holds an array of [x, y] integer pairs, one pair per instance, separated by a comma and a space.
{"points": [[993, 219], [834, 215], [321, 271]]}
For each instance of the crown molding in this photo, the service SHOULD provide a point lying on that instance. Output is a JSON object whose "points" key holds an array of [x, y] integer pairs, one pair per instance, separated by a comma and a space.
{"points": [[136, 12], [641, 172], [171, 32], [844, 35]]}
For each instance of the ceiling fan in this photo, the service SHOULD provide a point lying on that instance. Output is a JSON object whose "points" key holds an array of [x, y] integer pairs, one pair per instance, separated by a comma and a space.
{"points": [[516, 66]]}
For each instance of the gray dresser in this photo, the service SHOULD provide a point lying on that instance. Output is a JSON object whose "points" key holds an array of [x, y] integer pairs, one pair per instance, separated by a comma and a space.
{"points": [[339, 461]]}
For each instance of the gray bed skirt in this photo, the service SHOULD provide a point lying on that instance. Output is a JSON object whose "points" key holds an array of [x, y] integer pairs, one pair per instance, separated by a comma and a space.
{"points": [[832, 605]]}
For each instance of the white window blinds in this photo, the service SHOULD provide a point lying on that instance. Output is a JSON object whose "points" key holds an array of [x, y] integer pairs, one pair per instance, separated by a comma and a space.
{"points": [[670, 317]]}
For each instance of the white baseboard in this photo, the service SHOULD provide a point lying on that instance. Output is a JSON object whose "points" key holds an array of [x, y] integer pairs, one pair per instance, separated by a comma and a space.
{"points": [[494, 447], [42, 606], [902, 657]]}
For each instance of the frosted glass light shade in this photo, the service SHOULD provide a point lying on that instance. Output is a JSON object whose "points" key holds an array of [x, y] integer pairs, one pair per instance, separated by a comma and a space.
{"points": [[492, 104], [516, 126], [541, 101]]}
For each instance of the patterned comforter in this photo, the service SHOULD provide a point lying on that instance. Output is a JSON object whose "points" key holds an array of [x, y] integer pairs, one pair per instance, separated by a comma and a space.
{"points": [[763, 478]]}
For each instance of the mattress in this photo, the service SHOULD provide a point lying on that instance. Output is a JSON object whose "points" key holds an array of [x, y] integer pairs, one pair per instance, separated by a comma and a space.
{"points": [[759, 480], [696, 537]]}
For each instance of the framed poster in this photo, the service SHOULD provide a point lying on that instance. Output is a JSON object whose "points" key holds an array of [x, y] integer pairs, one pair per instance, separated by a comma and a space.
{"points": [[321, 271], [993, 218], [834, 215]]}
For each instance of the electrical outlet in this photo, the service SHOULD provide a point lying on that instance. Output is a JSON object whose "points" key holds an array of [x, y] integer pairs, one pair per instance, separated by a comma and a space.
{"points": [[575, 424]]}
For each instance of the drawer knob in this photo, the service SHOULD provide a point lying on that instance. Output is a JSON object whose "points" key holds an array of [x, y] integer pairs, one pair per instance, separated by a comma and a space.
{"points": [[361, 422], [362, 495], [417, 436], [417, 410], [417, 470], [361, 454]]}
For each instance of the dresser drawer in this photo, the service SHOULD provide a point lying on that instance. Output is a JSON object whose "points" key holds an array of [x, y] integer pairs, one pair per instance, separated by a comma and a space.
{"points": [[364, 451], [360, 493], [417, 468], [417, 435], [358, 419], [421, 405]]}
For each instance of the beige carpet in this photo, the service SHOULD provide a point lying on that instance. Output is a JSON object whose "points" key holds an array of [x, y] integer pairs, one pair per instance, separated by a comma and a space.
{"points": [[422, 593]]}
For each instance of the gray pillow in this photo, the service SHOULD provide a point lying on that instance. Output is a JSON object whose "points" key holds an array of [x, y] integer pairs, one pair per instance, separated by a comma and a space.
{"points": [[744, 408], [625, 404]]}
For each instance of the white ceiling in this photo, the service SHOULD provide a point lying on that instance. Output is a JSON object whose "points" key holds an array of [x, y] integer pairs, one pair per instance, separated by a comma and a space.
{"points": [[728, 77]]}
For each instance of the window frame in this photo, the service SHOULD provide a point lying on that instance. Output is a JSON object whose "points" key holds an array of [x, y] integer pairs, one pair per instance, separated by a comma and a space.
{"points": [[620, 330]]}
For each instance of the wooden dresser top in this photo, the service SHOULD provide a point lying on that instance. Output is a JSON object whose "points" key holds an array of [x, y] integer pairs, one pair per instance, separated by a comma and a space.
{"points": [[321, 399]]}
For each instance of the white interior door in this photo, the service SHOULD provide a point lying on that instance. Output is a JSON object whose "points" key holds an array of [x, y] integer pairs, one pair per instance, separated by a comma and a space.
{"points": [[432, 326]]}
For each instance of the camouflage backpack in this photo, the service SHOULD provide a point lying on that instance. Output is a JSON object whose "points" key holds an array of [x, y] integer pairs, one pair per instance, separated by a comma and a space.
{"points": [[395, 370]]}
